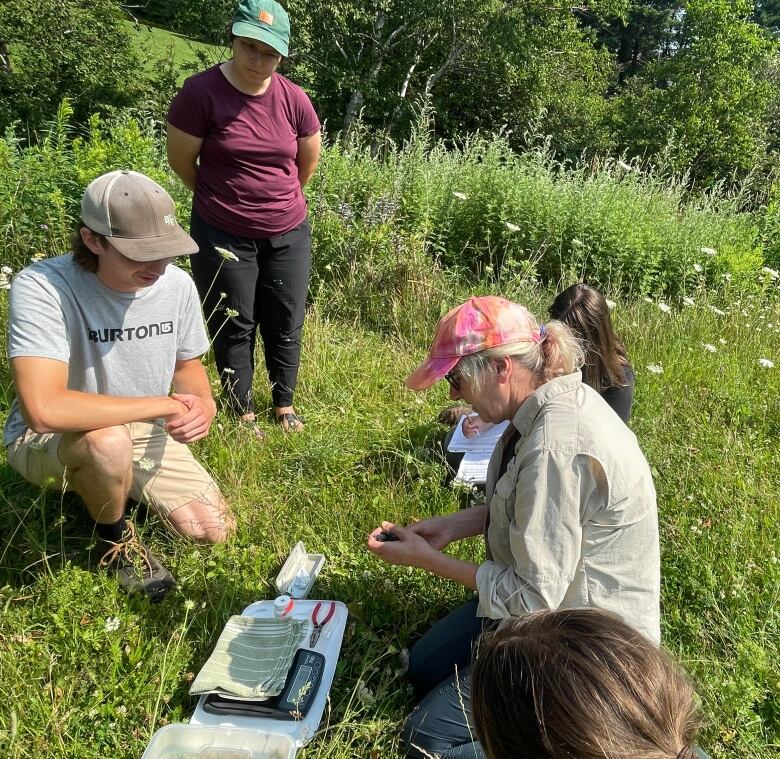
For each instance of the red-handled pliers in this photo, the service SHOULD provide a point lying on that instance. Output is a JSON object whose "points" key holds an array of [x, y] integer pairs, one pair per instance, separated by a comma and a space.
{"points": [[315, 633]]}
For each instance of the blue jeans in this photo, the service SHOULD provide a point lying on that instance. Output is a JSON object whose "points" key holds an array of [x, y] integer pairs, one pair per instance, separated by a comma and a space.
{"points": [[440, 671]]}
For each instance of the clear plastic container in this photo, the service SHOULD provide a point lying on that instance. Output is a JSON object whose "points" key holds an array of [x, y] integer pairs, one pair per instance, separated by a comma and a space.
{"points": [[198, 742]]}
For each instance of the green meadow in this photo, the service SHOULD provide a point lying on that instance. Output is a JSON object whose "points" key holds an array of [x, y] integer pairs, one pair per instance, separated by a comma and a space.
{"points": [[89, 672]]}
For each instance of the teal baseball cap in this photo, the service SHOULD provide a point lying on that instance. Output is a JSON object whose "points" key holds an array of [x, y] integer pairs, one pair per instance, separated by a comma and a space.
{"points": [[263, 20]]}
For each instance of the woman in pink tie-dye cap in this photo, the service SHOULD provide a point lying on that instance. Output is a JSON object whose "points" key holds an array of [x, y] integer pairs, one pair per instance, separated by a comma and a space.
{"points": [[570, 515]]}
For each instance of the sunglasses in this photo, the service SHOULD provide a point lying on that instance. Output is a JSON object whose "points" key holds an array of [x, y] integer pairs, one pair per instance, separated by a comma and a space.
{"points": [[454, 380]]}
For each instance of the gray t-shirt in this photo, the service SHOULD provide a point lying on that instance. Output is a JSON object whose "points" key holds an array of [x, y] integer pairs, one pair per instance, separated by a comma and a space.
{"points": [[114, 343]]}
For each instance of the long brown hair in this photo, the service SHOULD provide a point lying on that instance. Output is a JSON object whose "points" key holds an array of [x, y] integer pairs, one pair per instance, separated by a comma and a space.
{"points": [[82, 255], [580, 683], [584, 309]]}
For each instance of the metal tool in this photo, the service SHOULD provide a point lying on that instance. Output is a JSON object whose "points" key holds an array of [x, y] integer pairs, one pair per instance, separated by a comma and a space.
{"points": [[315, 633]]}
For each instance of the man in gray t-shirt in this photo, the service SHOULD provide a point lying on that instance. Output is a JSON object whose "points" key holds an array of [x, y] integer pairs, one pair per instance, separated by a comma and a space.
{"points": [[96, 339]]}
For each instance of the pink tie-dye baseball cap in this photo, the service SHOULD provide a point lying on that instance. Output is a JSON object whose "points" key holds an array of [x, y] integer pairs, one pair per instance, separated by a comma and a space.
{"points": [[474, 326]]}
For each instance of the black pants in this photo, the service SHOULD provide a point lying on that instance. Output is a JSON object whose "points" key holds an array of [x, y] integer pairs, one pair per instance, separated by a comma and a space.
{"points": [[440, 670], [267, 286]]}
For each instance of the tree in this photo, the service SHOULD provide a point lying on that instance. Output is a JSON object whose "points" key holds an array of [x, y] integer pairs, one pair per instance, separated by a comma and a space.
{"points": [[52, 49], [704, 107]]}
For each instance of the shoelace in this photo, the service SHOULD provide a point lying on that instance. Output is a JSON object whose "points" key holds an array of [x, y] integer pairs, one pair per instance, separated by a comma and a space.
{"points": [[127, 548]]}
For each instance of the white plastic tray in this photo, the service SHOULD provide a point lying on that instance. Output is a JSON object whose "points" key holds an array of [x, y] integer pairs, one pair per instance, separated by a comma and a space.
{"points": [[329, 645], [175, 741]]}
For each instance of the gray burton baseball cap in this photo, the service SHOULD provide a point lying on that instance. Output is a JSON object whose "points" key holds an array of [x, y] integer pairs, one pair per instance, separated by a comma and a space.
{"points": [[137, 215]]}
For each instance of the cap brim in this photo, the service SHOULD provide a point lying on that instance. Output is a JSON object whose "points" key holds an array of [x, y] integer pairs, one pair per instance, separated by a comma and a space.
{"points": [[430, 371], [244, 29], [179, 243]]}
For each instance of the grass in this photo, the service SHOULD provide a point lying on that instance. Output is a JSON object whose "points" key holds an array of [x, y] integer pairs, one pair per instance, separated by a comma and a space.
{"points": [[159, 46], [709, 424]]}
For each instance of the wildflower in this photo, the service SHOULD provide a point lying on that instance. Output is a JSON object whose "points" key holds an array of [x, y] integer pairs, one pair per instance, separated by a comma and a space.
{"points": [[727, 276], [146, 464], [222, 296], [231, 312], [460, 195], [709, 251], [37, 257], [698, 268], [512, 227], [717, 311], [655, 369], [228, 370], [766, 363], [663, 307], [366, 695], [189, 604], [688, 301], [44, 226], [610, 303], [226, 254], [403, 656], [112, 624], [577, 243], [773, 273], [721, 341], [6, 270], [709, 347]]}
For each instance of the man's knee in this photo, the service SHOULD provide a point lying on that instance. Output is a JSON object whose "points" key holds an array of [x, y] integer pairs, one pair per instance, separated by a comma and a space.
{"points": [[203, 521], [109, 450]]}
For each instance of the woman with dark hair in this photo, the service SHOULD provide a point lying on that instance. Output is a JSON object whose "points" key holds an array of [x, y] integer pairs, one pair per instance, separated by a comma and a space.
{"points": [[606, 369], [580, 683], [246, 140]]}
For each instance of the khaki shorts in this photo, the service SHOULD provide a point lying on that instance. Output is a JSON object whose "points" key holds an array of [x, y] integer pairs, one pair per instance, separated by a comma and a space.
{"points": [[165, 474]]}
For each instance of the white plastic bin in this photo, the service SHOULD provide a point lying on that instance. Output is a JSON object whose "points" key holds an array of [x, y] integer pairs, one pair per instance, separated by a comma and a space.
{"points": [[199, 742]]}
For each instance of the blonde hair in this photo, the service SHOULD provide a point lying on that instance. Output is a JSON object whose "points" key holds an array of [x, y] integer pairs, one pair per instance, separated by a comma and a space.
{"points": [[558, 352]]}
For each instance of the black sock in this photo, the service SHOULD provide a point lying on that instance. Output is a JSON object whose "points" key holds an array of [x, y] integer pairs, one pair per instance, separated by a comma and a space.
{"points": [[112, 532]]}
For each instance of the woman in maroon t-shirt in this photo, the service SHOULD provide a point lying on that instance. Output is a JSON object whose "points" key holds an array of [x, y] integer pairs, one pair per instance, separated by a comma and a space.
{"points": [[246, 140]]}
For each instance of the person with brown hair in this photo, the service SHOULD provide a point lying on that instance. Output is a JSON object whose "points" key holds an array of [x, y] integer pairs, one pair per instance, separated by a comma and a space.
{"points": [[570, 518], [606, 369], [580, 683]]}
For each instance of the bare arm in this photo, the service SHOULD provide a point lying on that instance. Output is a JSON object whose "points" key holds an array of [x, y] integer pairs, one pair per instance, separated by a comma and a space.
{"points": [[183, 152], [308, 156], [47, 404], [191, 384]]}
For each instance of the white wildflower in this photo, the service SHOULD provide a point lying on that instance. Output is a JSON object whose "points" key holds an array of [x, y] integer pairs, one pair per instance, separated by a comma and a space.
{"points": [[698, 268], [222, 296], [189, 604], [717, 311], [512, 227], [663, 307], [655, 369], [6, 270], [766, 363], [727, 277], [228, 370], [460, 195], [231, 312], [610, 303], [709, 251], [773, 273], [709, 347], [721, 341], [688, 301], [226, 254], [146, 464], [121, 710], [577, 243], [112, 624]]}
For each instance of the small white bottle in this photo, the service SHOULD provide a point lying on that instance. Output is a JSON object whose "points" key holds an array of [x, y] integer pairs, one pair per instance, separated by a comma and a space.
{"points": [[283, 605]]}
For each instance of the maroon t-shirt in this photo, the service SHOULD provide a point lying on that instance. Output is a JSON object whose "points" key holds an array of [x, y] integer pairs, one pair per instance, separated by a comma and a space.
{"points": [[247, 179]]}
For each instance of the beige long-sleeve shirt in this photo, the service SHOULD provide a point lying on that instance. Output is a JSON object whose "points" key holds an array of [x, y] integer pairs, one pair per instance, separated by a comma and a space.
{"points": [[572, 522]]}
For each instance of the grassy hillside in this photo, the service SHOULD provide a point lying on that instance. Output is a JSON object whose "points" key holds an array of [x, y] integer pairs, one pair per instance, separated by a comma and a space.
{"points": [[159, 46]]}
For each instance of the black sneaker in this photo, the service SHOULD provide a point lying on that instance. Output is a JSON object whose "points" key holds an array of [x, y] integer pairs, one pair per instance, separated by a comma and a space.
{"points": [[136, 567]]}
